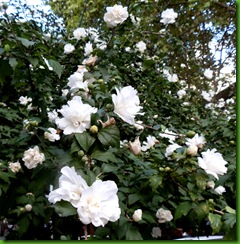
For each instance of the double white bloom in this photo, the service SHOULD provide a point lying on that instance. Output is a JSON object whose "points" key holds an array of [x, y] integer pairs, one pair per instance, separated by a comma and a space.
{"points": [[126, 104], [168, 16], [96, 204], [76, 116], [115, 15], [213, 163], [32, 157], [163, 215]]}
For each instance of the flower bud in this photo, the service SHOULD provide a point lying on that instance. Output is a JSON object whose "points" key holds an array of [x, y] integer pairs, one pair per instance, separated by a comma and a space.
{"points": [[90, 86], [100, 81], [84, 159], [28, 207], [190, 134], [94, 129], [137, 215], [80, 153], [167, 169], [135, 147], [210, 184], [7, 48], [192, 150]]}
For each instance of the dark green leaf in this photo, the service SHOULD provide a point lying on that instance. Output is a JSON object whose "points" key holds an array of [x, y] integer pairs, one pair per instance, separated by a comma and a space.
{"points": [[132, 198], [64, 209], [85, 140], [25, 42], [109, 136], [103, 156], [133, 234], [56, 66], [182, 209], [215, 221]]}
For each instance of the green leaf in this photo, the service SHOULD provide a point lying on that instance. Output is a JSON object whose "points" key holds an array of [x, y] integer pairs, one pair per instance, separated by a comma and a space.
{"points": [[25, 42], [133, 234], [23, 224], [56, 66], [155, 181], [85, 140], [103, 156], [74, 147], [102, 231], [64, 209], [215, 221], [149, 218], [229, 219], [132, 198], [33, 61], [109, 136], [182, 210], [147, 63], [13, 62], [230, 210], [106, 168]]}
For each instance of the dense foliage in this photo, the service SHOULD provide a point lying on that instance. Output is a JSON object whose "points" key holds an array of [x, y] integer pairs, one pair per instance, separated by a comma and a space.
{"points": [[44, 67]]}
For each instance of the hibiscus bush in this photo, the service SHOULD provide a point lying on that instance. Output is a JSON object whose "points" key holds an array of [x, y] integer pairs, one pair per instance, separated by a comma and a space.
{"points": [[101, 140]]}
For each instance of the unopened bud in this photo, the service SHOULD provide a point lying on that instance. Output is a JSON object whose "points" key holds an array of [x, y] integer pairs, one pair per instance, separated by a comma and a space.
{"points": [[28, 207], [135, 146], [94, 129], [137, 216], [192, 150], [190, 134], [167, 169]]}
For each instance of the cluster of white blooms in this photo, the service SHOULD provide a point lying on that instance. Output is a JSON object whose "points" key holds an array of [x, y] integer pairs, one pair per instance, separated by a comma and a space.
{"points": [[212, 163], [170, 77], [151, 141], [168, 16], [208, 74], [76, 116], [52, 115], [141, 46], [32, 157], [15, 167], [96, 204], [163, 215], [207, 95], [52, 135], [126, 104], [115, 15]]}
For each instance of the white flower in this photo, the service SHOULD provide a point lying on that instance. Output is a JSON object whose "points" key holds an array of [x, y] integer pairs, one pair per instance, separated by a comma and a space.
{"points": [[65, 92], [197, 140], [135, 20], [207, 95], [168, 134], [170, 149], [52, 115], [101, 45], [181, 93], [168, 16], [25, 100], [79, 33], [76, 116], [220, 190], [210, 184], [208, 74], [76, 81], [15, 167], [127, 49], [99, 204], [135, 146], [141, 46], [170, 77], [137, 215], [163, 215], [192, 150], [156, 232], [68, 48], [126, 104], [88, 49], [90, 60], [32, 157], [151, 141], [213, 163], [115, 15], [71, 187], [52, 135], [138, 125], [28, 207]]}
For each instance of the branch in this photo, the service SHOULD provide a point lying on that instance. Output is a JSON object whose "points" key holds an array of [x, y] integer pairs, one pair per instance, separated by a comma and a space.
{"points": [[225, 6]]}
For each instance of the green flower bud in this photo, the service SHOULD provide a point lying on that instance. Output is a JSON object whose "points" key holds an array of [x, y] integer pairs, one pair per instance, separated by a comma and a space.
{"points": [[84, 159], [94, 129], [161, 169], [80, 153], [167, 169], [90, 86], [190, 134], [100, 81], [7, 48], [109, 107]]}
